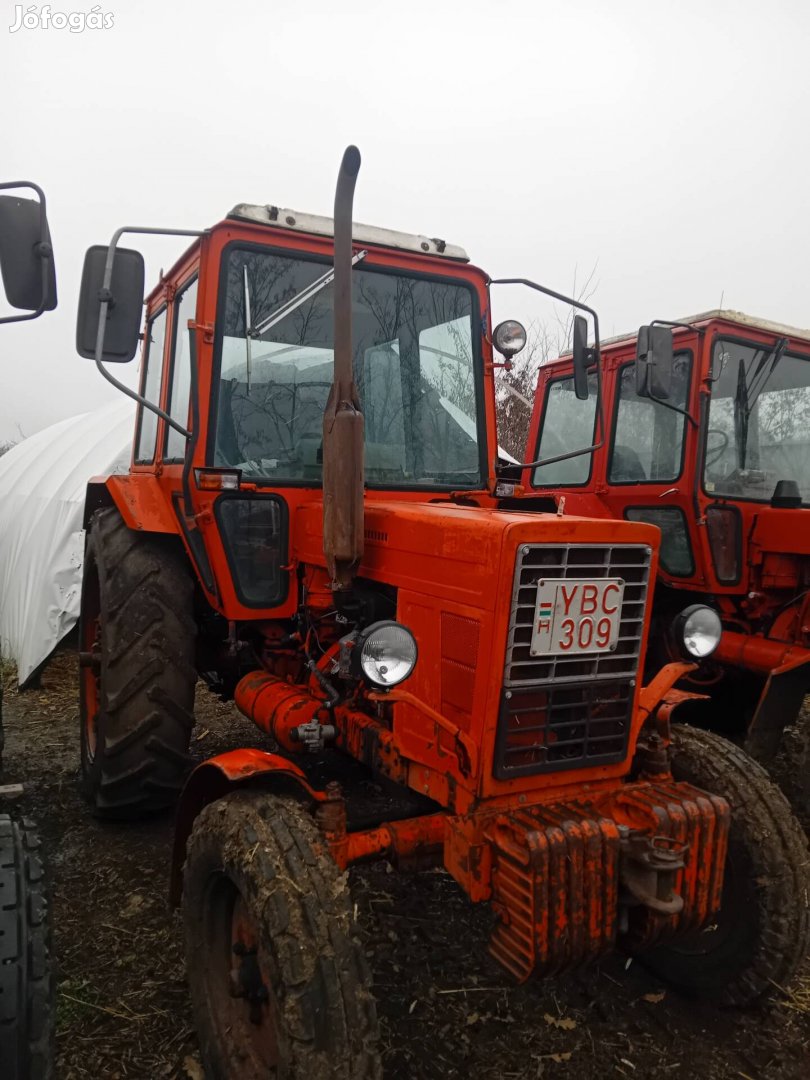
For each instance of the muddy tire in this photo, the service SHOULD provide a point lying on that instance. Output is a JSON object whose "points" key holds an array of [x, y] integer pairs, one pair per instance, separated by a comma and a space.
{"points": [[26, 979], [278, 984], [137, 639], [762, 931]]}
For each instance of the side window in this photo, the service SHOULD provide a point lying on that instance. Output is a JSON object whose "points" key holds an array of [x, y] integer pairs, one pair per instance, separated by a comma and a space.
{"points": [[185, 308], [647, 435], [567, 424], [676, 551], [150, 388]]}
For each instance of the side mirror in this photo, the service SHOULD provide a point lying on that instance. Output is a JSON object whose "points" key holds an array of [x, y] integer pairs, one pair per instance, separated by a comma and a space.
{"points": [[583, 357], [26, 255], [654, 362], [124, 308]]}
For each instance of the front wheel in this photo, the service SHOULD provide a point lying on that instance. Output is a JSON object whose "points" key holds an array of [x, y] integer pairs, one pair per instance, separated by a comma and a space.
{"points": [[762, 931], [279, 986]]}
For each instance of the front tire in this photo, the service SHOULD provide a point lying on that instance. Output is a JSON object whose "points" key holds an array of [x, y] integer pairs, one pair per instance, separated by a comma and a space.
{"points": [[26, 978], [762, 931], [137, 640], [279, 987]]}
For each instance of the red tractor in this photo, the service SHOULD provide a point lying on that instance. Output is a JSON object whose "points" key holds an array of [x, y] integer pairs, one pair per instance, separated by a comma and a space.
{"points": [[26, 977], [312, 523], [705, 432]]}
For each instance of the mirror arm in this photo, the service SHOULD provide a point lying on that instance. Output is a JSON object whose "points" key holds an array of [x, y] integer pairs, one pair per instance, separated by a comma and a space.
{"points": [[597, 356], [552, 460], [675, 408], [44, 250], [142, 400], [105, 298]]}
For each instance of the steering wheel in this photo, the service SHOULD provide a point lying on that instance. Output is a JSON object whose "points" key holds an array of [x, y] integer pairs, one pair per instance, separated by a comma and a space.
{"points": [[718, 451]]}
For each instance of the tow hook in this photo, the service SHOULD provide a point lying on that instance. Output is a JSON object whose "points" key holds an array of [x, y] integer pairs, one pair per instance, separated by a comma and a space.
{"points": [[647, 869]]}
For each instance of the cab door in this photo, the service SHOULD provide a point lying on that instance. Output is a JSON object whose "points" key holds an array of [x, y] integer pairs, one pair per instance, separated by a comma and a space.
{"points": [[649, 465]]}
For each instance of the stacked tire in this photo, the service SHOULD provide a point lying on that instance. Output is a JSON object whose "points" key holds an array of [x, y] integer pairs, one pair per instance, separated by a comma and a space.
{"points": [[26, 978]]}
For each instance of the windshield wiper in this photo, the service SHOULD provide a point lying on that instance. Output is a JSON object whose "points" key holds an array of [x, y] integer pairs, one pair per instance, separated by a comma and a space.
{"points": [[747, 395], [741, 414], [774, 358], [296, 301]]}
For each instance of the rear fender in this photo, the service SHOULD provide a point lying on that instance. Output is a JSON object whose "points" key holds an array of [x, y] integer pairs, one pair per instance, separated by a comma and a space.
{"points": [[216, 778], [779, 705], [139, 499]]}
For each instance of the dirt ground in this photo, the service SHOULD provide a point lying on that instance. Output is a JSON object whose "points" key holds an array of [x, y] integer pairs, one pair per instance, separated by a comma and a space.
{"points": [[446, 1010]]}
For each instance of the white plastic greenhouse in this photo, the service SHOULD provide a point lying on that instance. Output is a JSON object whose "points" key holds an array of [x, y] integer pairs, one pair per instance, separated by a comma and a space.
{"points": [[42, 491]]}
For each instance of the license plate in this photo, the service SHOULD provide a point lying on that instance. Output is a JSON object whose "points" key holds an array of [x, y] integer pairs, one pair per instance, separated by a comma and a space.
{"points": [[574, 616]]}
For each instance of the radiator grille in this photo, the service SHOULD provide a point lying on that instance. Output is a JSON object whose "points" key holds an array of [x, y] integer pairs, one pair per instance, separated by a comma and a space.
{"points": [[563, 712]]}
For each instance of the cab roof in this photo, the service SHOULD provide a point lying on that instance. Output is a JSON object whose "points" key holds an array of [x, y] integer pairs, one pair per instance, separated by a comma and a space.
{"points": [[279, 218], [724, 314]]}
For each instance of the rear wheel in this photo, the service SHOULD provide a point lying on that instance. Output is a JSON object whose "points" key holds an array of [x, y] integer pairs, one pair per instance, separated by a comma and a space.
{"points": [[279, 987], [762, 931], [137, 640], [26, 980]]}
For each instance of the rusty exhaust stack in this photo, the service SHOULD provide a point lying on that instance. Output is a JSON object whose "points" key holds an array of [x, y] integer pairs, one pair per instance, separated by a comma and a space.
{"points": [[343, 448]]}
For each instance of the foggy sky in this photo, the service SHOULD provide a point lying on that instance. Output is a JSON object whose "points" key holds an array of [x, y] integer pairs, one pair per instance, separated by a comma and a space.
{"points": [[664, 144]]}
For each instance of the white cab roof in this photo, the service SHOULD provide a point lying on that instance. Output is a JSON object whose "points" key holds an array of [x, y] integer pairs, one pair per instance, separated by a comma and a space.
{"points": [[280, 218], [739, 317]]}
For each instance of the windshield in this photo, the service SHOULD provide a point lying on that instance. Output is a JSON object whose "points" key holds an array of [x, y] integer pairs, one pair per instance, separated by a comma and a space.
{"points": [[759, 421], [647, 445], [413, 365], [567, 424]]}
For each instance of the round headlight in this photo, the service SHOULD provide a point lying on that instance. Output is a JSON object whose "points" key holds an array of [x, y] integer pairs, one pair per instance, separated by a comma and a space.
{"points": [[387, 653], [697, 631], [509, 338]]}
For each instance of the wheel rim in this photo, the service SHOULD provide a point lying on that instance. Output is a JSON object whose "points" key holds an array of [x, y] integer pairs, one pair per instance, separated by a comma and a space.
{"points": [[90, 662], [725, 925], [242, 1004]]}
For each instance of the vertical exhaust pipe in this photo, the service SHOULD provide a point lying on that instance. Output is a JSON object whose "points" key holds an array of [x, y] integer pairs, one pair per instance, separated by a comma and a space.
{"points": [[343, 448]]}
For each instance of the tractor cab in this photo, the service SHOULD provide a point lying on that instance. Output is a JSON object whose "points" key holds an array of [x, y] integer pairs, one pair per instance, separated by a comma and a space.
{"points": [[720, 464]]}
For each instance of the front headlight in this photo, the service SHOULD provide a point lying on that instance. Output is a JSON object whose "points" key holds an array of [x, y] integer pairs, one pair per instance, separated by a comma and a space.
{"points": [[697, 631], [386, 653]]}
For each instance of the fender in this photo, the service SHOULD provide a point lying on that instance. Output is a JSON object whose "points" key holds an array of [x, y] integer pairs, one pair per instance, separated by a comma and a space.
{"points": [[217, 777], [139, 500], [786, 666]]}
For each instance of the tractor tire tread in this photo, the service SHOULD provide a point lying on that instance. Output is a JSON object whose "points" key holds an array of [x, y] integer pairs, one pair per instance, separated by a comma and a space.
{"points": [[305, 901], [762, 822], [27, 1009], [146, 706]]}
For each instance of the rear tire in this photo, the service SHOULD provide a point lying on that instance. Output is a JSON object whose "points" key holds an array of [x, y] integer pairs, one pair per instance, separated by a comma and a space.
{"points": [[137, 641], [26, 979], [762, 931], [279, 986]]}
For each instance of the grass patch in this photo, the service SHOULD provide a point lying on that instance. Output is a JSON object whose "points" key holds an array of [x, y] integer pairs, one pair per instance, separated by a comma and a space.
{"points": [[8, 672]]}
